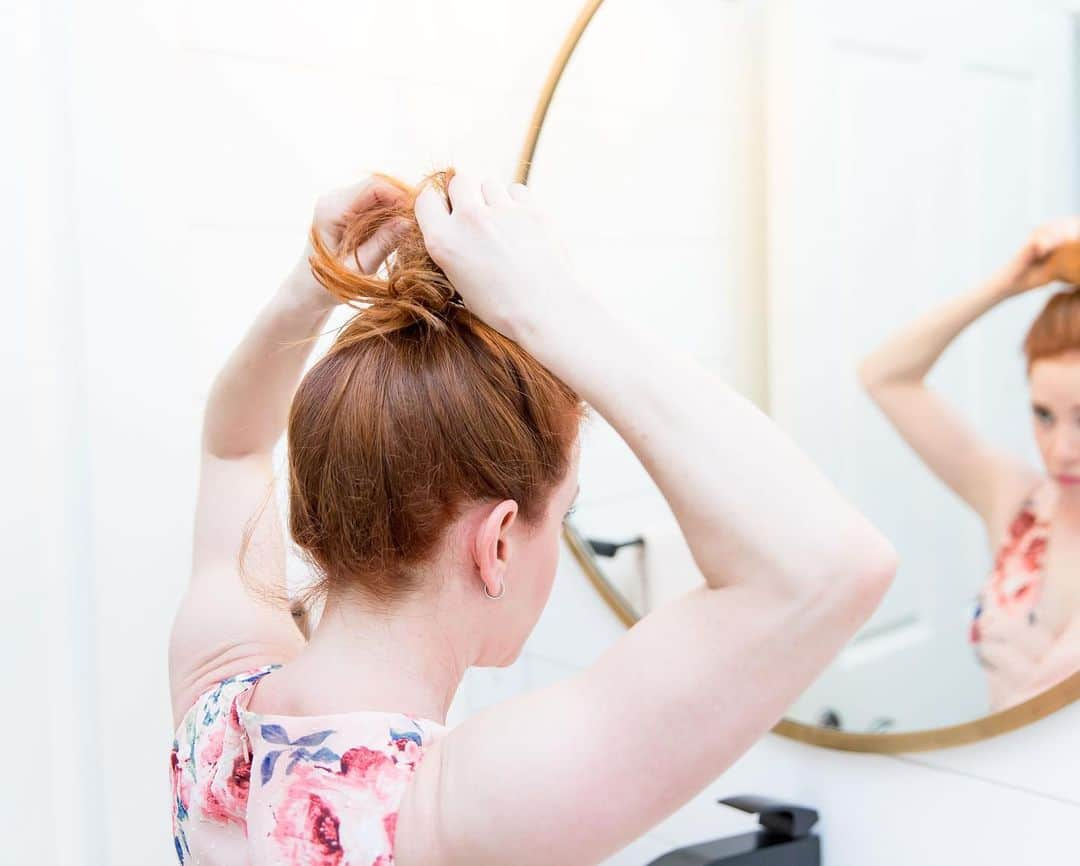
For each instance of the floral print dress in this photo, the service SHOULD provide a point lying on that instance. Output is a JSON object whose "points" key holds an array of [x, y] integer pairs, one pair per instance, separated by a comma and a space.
{"points": [[1018, 618], [261, 789]]}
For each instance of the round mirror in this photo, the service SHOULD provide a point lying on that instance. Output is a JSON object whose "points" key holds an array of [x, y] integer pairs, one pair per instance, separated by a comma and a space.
{"points": [[830, 207]]}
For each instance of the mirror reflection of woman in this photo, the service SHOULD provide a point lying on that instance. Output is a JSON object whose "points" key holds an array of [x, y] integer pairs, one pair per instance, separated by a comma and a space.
{"points": [[1025, 628]]}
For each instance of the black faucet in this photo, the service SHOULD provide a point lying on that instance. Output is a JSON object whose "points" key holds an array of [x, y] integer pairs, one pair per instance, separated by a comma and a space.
{"points": [[784, 840]]}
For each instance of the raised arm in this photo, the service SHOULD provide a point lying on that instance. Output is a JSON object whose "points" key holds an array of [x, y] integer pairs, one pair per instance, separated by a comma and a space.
{"points": [[989, 479], [792, 570], [222, 628]]}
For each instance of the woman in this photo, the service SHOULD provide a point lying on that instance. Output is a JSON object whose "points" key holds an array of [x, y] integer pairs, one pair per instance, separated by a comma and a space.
{"points": [[433, 457], [1025, 630]]}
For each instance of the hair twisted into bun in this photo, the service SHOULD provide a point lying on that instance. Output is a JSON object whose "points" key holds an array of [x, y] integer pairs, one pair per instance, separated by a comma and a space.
{"points": [[388, 439], [415, 291]]}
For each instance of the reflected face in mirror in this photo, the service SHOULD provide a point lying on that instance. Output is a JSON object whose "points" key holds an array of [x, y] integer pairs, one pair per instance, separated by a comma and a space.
{"points": [[1055, 407]]}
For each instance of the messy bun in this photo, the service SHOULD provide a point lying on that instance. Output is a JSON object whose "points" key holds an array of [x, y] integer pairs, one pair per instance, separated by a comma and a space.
{"points": [[415, 290], [389, 438]]}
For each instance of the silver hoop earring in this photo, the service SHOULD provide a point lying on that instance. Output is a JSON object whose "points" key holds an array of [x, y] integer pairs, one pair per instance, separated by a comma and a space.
{"points": [[502, 589]]}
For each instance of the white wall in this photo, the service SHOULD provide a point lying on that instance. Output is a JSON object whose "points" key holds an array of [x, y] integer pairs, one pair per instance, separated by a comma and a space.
{"points": [[167, 158], [47, 678]]}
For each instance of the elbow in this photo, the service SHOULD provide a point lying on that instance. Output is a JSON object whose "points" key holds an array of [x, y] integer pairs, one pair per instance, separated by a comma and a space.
{"points": [[218, 440], [864, 373], [216, 445], [877, 377], [859, 575], [875, 572], [870, 379]]}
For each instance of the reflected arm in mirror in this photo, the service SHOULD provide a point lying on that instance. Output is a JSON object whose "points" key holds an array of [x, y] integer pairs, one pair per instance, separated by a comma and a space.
{"points": [[989, 479]]}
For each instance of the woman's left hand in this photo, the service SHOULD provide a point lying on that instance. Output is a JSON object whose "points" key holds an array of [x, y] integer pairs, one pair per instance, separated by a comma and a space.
{"points": [[333, 211], [1036, 264]]}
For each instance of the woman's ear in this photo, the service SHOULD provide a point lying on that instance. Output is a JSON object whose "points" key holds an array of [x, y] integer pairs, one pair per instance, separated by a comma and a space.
{"points": [[491, 545]]}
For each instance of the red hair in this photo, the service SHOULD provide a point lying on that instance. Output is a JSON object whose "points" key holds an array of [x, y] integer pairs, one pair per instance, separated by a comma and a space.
{"points": [[1056, 330], [417, 409]]}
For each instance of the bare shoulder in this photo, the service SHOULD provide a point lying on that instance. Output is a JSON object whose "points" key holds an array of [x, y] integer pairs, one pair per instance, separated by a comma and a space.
{"points": [[675, 700], [417, 835]]}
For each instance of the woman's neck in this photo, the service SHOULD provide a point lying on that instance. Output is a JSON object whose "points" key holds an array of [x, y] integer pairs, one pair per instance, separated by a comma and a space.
{"points": [[410, 660]]}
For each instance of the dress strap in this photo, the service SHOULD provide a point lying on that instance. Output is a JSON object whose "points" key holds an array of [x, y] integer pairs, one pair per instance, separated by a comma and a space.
{"points": [[241, 701]]}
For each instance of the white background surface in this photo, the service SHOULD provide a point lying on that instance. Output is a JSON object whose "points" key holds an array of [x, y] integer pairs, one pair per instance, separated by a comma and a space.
{"points": [[158, 174]]}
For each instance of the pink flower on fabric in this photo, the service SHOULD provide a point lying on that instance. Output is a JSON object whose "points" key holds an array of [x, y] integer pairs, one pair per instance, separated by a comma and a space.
{"points": [[1018, 565], [1021, 524], [366, 767], [1013, 591], [213, 807], [375, 773], [1033, 555], [409, 750], [321, 828], [390, 825], [240, 779], [322, 815], [223, 791], [211, 749]]}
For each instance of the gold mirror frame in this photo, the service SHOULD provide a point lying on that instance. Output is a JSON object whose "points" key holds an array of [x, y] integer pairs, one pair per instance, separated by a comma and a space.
{"points": [[1053, 699]]}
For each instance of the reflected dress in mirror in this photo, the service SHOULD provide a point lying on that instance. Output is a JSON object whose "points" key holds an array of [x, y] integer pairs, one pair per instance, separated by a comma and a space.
{"points": [[1024, 631]]}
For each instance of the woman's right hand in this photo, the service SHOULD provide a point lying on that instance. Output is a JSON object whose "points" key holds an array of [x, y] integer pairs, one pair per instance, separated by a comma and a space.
{"points": [[1035, 265], [499, 250]]}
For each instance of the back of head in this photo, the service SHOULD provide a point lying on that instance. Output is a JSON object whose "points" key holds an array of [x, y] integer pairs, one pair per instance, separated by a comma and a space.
{"points": [[418, 409], [1056, 330]]}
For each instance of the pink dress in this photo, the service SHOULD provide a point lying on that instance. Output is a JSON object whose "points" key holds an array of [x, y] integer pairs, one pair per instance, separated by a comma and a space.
{"points": [[1020, 630], [259, 789]]}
